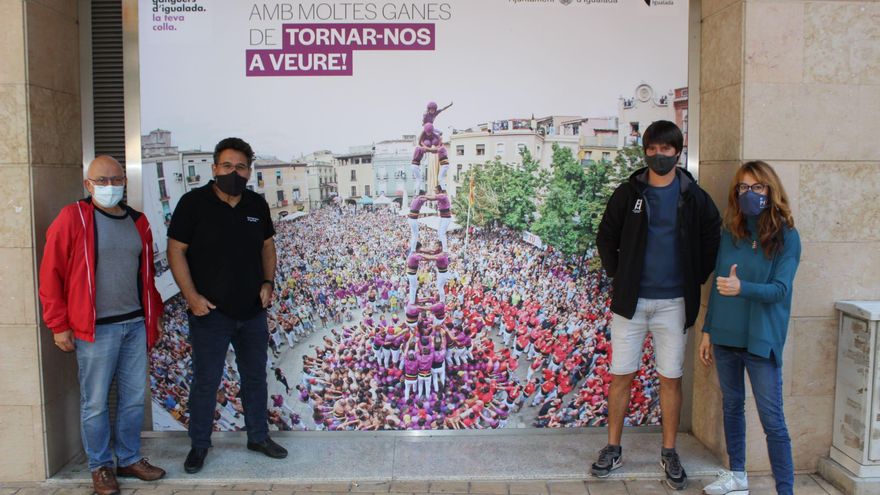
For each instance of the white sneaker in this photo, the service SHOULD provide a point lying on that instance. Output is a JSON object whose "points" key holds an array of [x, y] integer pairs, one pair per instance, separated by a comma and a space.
{"points": [[728, 484]]}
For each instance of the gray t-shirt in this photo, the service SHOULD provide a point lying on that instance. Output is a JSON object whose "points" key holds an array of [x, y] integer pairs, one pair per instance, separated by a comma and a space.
{"points": [[116, 274]]}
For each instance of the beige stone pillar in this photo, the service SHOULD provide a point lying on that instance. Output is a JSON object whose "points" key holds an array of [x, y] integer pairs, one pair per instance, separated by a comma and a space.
{"points": [[41, 166], [797, 84]]}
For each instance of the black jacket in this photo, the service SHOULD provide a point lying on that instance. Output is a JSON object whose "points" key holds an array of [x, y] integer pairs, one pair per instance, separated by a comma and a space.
{"points": [[623, 234]]}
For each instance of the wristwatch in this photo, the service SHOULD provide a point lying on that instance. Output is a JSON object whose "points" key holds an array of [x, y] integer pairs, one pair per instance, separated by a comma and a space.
{"points": [[270, 282]]}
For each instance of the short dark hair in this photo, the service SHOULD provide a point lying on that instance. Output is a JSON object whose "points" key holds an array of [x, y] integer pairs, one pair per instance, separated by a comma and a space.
{"points": [[663, 132], [237, 144]]}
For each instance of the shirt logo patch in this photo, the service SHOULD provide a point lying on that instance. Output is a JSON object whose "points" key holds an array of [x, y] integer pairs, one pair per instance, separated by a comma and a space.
{"points": [[253, 219], [638, 207]]}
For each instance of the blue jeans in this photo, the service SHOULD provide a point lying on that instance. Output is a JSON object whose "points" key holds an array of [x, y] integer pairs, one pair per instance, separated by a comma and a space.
{"points": [[766, 379], [210, 336], [119, 349]]}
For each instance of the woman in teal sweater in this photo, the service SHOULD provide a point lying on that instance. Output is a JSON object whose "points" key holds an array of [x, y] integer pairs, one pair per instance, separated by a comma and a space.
{"points": [[747, 320]]}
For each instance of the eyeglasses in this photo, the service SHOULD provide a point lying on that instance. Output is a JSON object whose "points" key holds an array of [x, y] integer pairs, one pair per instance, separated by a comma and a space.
{"points": [[239, 167], [117, 180], [757, 187]]}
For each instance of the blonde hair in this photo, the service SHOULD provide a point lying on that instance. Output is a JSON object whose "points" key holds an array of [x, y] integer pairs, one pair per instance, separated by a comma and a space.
{"points": [[772, 220]]}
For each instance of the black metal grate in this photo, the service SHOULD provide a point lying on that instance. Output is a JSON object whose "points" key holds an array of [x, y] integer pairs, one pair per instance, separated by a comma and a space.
{"points": [[108, 97], [107, 79]]}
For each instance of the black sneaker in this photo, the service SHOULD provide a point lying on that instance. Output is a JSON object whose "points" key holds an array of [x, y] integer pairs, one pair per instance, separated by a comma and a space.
{"points": [[610, 458], [676, 478]]}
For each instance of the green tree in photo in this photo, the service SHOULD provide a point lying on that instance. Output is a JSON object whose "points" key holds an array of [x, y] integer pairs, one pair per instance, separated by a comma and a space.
{"points": [[564, 214], [504, 193], [602, 179], [518, 185], [627, 161], [595, 197], [484, 211], [569, 199]]}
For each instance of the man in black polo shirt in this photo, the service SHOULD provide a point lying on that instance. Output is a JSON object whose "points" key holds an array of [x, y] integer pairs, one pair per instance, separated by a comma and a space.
{"points": [[222, 254]]}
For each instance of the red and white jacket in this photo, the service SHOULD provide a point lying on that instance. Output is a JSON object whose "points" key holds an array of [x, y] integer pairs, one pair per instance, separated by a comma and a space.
{"points": [[67, 273]]}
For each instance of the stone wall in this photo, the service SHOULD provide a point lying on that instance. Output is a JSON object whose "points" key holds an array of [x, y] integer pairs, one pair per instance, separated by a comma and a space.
{"points": [[41, 162], [797, 84]]}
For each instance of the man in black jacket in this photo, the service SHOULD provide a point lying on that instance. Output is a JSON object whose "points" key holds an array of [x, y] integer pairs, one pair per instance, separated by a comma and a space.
{"points": [[658, 239]]}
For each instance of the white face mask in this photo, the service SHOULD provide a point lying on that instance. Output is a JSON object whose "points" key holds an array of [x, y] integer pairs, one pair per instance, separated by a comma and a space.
{"points": [[108, 196]]}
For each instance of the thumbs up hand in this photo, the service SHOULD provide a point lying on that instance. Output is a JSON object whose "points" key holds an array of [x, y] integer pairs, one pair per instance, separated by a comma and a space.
{"points": [[728, 286]]}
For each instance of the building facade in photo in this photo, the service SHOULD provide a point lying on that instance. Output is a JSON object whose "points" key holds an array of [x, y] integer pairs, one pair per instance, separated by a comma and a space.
{"points": [[680, 106], [283, 185], [355, 172], [157, 143], [637, 112], [321, 177], [164, 185], [391, 163], [505, 140], [167, 175]]}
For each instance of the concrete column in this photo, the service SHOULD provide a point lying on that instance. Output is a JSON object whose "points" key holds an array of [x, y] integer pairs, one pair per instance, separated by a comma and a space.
{"points": [[797, 84], [41, 166]]}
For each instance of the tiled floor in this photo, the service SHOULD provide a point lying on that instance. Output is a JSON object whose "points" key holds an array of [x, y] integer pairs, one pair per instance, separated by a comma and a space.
{"points": [[524, 463], [345, 456], [760, 485]]}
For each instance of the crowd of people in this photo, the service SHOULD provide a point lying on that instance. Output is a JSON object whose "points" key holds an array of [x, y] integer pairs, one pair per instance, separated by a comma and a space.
{"points": [[524, 333], [171, 373], [556, 320]]}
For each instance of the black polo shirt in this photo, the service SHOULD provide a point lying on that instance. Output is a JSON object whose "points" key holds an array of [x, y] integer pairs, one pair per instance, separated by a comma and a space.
{"points": [[225, 253]]}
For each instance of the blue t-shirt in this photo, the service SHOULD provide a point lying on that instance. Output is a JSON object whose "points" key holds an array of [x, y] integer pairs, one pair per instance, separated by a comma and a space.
{"points": [[662, 275]]}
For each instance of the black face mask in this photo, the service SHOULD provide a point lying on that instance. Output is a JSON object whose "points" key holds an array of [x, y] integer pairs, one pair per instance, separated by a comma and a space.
{"points": [[231, 184], [661, 164]]}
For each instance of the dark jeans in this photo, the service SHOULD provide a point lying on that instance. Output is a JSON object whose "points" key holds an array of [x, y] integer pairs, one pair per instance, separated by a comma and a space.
{"points": [[766, 378], [210, 336]]}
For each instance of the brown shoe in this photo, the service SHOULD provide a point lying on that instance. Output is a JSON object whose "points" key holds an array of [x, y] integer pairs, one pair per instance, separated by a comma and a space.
{"points": [[104, 481], [142, 469]]}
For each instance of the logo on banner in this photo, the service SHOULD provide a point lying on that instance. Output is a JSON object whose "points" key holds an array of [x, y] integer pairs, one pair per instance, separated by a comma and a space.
{"points": [[657, 3]]}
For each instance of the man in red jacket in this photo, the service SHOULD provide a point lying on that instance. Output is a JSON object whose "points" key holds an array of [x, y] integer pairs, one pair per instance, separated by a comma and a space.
{"points": [[99, 299]]}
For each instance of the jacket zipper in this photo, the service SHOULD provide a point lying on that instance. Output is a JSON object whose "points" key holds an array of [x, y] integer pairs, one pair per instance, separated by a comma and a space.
{"points": [[88, 264]]}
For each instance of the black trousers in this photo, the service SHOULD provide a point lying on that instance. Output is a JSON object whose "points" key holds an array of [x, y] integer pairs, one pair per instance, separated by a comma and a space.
{"points": [[210, 336]]}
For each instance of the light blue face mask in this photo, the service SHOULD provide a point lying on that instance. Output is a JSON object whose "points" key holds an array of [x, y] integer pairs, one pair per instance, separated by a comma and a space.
{"points": [[108, 196], [752, 203]]}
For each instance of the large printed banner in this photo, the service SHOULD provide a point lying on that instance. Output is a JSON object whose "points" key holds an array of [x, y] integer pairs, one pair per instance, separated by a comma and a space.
{"points": [[504, 124]]}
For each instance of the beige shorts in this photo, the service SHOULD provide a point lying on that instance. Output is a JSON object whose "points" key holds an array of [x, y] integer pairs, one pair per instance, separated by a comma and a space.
{"points": [[664, 318]]}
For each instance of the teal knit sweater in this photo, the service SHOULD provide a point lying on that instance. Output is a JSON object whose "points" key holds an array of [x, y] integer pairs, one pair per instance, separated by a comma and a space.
{"points": [[756, 319]]}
